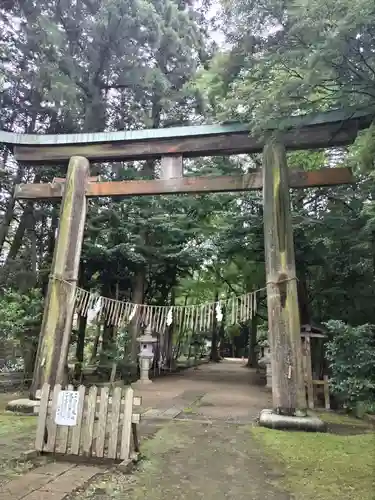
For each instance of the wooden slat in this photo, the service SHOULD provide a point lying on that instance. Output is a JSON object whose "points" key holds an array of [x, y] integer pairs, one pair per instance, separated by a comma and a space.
{"points": [[102, 422], [88, 428], [126, 424], [318, 382], [76, 434], [62, 433], [135, 437], [42, 418], [205, 184], [50, 447], [114, 419], [136, 418]]}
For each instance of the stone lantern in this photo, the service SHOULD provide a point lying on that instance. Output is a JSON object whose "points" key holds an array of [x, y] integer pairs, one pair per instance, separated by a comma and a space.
{"points": [[146, 354], [265, 362]]}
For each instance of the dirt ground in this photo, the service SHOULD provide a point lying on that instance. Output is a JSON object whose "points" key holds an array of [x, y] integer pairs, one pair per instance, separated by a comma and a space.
{"points": [[207, 450], [199, 439], [189, 460]]}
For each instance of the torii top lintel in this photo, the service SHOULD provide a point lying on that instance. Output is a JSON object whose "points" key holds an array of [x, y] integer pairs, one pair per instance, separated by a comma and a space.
{"points": [[314, 131]]}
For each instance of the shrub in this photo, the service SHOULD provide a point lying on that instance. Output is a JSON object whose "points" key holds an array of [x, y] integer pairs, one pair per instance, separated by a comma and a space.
{"points": [[351, 356], [20, 318]]}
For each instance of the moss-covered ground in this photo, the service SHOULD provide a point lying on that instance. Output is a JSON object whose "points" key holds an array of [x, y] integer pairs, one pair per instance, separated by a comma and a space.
{"points": [[338, 465], [17, 434]]}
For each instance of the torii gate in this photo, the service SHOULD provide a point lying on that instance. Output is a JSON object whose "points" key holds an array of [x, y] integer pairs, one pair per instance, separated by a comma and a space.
{"points": [[335, 128]]}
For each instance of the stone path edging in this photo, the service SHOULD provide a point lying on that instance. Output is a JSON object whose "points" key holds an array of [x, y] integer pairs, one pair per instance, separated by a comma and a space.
{"points": [[53, 481]]}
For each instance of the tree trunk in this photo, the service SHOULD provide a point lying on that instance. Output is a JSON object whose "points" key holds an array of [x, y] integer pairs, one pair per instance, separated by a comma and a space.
{"points": [[178, 348], [139, 283], [221, 335], [373, 250], [169, 335], [29, 350], [50, 247], [137, 298], [32, 257], [9, 211], [96, 344], [108, 342], [252, 360], [23, 226], [21, 229], [80, 347], [106, 354], [214, 356], [303, 297]]}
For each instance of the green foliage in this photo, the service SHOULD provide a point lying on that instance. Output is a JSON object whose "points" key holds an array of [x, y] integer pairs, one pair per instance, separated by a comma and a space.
{"points": [[20, 314], [292, 57], [351, 354], [20, 319]]}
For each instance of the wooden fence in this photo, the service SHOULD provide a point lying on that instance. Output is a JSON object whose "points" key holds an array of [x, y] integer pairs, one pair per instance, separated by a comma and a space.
{"points": [[88, 423]]}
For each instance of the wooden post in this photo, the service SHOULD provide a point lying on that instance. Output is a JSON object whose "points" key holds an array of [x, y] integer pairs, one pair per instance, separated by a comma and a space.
{"points": [[327, 401], [59, 304], [171, 167], [308, 373], [288, 389]]}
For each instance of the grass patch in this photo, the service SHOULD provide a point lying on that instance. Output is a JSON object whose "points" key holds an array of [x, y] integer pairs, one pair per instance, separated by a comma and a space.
{"points": [[15, 426], [340, 419], [324, 466], [17, 433]]}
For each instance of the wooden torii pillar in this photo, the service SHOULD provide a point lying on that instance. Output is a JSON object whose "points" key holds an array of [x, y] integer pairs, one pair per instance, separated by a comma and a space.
{"points": [[288, 385], [53, 346], [281, 285]]}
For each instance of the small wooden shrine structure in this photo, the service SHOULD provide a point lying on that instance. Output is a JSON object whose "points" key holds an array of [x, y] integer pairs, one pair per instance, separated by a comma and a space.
{"points": [[313, 365]]}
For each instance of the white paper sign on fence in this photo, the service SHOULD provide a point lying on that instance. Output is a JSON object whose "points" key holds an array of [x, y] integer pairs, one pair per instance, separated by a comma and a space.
{"points": [[66, 410]]}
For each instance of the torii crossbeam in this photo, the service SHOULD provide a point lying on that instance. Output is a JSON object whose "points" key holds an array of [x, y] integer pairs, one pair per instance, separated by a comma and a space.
{"points": [[320, 130], [183, 185], [172, 145]]}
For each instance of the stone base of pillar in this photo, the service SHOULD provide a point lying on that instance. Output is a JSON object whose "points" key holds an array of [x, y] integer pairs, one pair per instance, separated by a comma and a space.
{"points": [[143, 381], [272, 420]]}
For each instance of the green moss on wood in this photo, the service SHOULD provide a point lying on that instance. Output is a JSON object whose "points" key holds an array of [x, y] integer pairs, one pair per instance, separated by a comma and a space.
{"points": [[58, 312]]}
